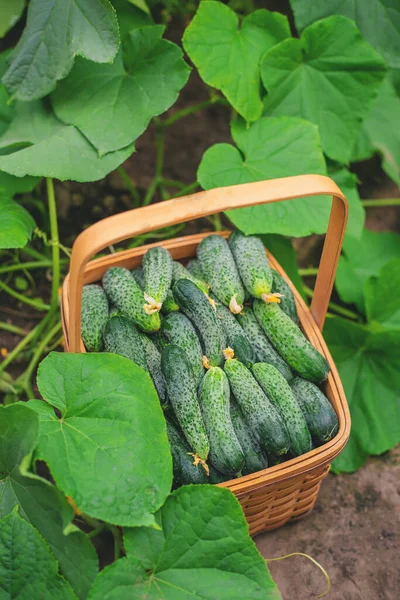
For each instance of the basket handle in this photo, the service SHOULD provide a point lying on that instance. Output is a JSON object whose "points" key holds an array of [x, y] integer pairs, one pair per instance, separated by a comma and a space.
{"points": [[179, 210]]}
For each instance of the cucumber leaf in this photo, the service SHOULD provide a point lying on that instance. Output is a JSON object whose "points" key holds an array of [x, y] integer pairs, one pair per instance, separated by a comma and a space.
{"points": [[202, 550], [108, 450], [16, 224], [346, 181], [129, 17], [113, 104], [329, 76], [377, 20], [55, 33], [228, 56], [11, 12], [39, 502], [27, 567], [382, 296]]}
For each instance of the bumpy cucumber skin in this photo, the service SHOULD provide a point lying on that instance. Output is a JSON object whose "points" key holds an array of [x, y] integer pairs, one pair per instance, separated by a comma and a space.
{"points": [[318, 411], [184, 470], [264, 350], [153, 361], [181, 389], [279, 392], [157, 273], [261, 415], [123, 291], [181, 272], [94, 315], [287, 303], [220, 269], [194, 267], [177, 329], [290, 342], [225, 452], [121, 337], [235, 336], [195, 305], [170, 305], [138, 276], [252, 263], [254, 460]]}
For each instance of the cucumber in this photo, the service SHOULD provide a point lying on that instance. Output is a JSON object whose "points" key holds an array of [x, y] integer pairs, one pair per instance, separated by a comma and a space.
{"points": [[279, 392], [264, 350], [169, 305], [195, 305], [157, 274], [177, 329], [317, 410], [261, 415], [181, 389], [115, 312], [288, 303], [252, 263], [138, 276], [290, 342], [123, 291], [153, 362], [225, 452], [121, 337], [235, 336], [220, 271], [194, 267], [185, 472], [254, 460], [180, 272], [94, 315]]}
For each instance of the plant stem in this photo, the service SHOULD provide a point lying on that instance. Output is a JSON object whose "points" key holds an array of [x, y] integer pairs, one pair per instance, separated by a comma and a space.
{"points": [[159, 167], [18, 348], [37, 304], [215, 221], [118, 545], [30, 265], [189, 110], [34, 253], [12, 328], [381, 202], [55, 250], [96, 531], [340, 310], [188, 189], [311, 272], [130, 185], [172, 183]]}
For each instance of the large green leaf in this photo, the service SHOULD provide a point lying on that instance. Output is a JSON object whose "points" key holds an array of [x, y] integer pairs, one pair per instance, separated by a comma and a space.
{"points": [[202, 550], [27, 567], [16, 224], [39, 502], [329, 76], [11, 11], [129, 17], [37, 143], [55, 32], [378, 21], [113, 104], [369, 367], [346, 181], [361, 259], [109, 450], [382, 296], [228, 56]]}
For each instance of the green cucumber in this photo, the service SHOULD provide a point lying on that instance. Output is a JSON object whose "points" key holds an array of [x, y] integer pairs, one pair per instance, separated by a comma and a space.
{"points": [[254, 459], [194, 267], [115, 312], [94, 315], [177, 329], [169, 305], [138, 276], [288, 303], [123, 291], [195, 305], [157, 274], [225, 452], [180, 272], [279, 392], [264, 350], [235, 336], [317, 410], [153, 361], [261, 415], [121, 337], [221, 272], [252, 263], [182, 393], [290, 342], [185, 472]]}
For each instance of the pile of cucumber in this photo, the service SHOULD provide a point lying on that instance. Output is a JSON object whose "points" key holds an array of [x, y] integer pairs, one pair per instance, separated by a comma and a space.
{"points": [[220, 338]]}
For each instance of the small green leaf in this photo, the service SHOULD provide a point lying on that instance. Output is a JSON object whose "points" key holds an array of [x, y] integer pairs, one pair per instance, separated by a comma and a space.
{"points": [[228, 56], [329, 76], [346, 181], [40, 503], [11, 12], [361, 259], [16, 224], [109, 449], [377, 20], [282, 249], [55, 32], [369, 367], [382, 296], [27, 567], [267, 149], [202, 550], [113, 104]]}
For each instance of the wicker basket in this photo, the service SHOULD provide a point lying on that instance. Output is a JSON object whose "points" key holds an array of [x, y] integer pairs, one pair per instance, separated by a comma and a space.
{"points": [[271, 497]]}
